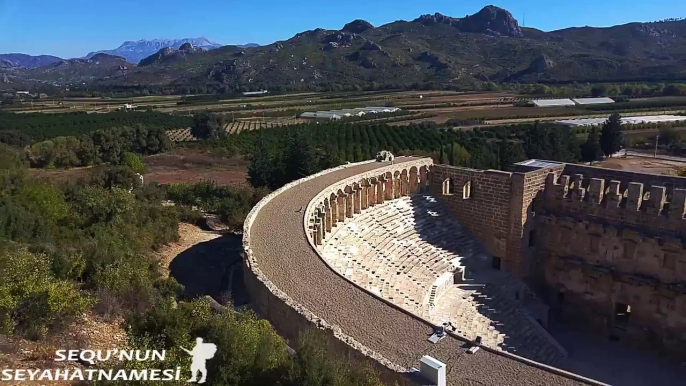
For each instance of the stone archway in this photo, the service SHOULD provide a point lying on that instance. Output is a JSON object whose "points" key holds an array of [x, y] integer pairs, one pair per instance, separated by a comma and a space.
{"points": [[349, 199], [388, 186], [414, 180], [333, 207], [372, 190], [424, 182], [396, 185], [341, 205]]}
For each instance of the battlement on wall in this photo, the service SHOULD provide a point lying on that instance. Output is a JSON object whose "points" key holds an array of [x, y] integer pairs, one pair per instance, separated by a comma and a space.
{"points": [[648, 205]]}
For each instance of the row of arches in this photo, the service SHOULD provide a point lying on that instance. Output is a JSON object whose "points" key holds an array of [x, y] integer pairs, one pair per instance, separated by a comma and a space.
{"points": [[355, 197]]}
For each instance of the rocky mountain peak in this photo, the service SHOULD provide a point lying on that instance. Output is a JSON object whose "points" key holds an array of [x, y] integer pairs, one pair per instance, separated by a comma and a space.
{"points": [[167, 53], [188, 46], [434, 19], [105, 57], [357, 26], [492, 20]]}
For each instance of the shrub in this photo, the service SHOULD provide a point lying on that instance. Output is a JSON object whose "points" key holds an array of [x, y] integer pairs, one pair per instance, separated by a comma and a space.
{"points": [[30, 298]]}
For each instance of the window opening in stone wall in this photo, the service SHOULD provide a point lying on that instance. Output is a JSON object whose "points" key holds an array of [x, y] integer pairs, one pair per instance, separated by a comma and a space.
{"points": [[448, 187], [622, 312], [467, 190], [496, 263], [560, 298], [532, 238]]}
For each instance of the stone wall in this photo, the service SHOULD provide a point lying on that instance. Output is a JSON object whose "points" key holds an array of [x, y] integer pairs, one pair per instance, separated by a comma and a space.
{"points": [[291, 319], [656, 207], [610, 239], [592, 268], [527, 188], [486, 212], [498, 211]]}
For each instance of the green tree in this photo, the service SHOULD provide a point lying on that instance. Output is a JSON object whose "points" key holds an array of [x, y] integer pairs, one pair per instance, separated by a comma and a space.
{"points": [[208, 126], [509, 153], [134, 162], [611, 135], [302, 159], [590, 149], [43, 199], [459, 155], [599, 91], [260, 170], [441, 159]]}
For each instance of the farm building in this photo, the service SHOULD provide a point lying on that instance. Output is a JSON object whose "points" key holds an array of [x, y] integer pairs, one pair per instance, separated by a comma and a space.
{"points": [[356, 112], [625, 120], [321, 115], [551, 102], [375, 110], [593, 101], [255, 93]]}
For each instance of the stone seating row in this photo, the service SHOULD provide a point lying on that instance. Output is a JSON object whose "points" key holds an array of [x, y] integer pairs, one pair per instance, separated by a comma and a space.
{"points": [[390, 250], [402, 249]]}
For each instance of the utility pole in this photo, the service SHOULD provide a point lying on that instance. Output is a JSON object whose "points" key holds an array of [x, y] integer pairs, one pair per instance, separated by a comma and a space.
{"points": [[657, 139]]}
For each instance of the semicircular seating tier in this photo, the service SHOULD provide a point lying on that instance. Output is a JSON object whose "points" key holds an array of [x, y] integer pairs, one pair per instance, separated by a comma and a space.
{"points": [[390, 236]]}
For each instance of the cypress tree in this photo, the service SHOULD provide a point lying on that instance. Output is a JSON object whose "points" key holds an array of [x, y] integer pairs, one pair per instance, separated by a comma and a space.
{"points": [[611, 135], [440, 156], [591, 150]]}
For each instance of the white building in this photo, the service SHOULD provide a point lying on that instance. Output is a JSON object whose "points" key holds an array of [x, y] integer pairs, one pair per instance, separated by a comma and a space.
{"points": [[321, 115], [625, 120], [356, 112], [255, 93], [593, 101], [552, 102]]}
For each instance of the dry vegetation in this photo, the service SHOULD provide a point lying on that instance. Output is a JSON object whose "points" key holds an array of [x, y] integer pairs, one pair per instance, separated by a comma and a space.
{"points": [[186, 165], [641, 165]]}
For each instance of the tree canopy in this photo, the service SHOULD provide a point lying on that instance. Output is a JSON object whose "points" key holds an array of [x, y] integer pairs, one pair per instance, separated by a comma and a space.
{"points": [[611, 136], [590, 149]]}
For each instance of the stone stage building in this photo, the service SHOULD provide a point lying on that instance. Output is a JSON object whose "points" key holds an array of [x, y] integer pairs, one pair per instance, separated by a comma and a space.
{"points": [[384, 252]]}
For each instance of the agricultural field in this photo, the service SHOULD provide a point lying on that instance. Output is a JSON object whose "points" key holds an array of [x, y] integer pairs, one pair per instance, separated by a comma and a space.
{"points": [[248, 125], [441, 107], [186, 135]]}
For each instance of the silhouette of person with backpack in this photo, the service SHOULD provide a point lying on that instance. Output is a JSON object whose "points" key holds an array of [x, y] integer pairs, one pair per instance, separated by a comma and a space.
{"points": [[201, 353]]}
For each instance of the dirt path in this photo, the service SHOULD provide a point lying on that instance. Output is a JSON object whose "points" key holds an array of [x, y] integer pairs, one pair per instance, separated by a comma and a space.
{"points": [[189, 236]]}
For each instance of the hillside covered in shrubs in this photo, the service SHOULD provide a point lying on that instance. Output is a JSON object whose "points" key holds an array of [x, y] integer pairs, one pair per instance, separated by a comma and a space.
{"points": [[66, 250]]}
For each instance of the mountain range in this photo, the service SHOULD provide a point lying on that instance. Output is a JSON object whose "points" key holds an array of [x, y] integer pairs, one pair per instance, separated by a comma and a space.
{"points": [[134, 51], [27, 61], [429, 50]]}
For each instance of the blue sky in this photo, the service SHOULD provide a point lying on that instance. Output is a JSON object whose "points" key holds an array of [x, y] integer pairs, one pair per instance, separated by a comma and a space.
{"points": [[72, 28]]}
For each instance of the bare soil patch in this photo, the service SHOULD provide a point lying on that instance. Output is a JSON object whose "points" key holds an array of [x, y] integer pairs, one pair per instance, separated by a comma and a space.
{"points": [[640, 165]]}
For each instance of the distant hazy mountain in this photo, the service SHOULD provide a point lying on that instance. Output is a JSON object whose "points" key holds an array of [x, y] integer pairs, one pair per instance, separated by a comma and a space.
{"points": [[248, 45], [134, 51], [26, 61]]}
